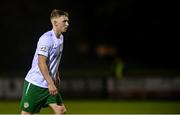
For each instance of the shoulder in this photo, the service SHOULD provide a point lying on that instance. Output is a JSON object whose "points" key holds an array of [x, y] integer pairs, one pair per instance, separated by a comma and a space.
{"points": [[46, 38]]}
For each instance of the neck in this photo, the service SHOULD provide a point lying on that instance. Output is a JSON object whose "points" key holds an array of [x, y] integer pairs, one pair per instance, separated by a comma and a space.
{"points": [[58, 34]]}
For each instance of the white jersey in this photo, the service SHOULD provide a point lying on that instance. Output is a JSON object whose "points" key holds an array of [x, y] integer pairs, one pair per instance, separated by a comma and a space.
{"points": [[51, 47]]}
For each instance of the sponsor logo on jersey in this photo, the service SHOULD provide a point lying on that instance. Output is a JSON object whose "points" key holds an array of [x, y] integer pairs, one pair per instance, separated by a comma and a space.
{"points": [[44, 49]]}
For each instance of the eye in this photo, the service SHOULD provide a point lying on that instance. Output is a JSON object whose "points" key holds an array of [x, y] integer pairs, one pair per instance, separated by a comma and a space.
{"points": [[65, 21]]}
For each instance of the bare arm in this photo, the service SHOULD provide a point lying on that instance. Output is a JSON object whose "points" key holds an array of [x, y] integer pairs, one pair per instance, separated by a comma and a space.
{"points": [[45, 72]]}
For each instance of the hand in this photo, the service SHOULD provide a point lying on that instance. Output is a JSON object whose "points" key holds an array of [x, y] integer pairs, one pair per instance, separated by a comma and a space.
{"points": [[52, 89]]}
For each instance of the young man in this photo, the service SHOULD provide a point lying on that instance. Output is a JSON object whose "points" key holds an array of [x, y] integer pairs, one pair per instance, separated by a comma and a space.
{"points": [[41, 82]]}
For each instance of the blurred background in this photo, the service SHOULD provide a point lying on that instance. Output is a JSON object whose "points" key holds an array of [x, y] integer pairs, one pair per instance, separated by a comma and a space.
{"points": [[115, 51]]}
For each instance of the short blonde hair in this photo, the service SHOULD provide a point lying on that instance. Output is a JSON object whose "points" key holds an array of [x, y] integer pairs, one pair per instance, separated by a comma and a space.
{"points": [[58, 13]]}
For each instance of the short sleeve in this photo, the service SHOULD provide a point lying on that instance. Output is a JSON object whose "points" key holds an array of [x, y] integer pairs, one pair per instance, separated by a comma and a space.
{"points": [[43, 46]]}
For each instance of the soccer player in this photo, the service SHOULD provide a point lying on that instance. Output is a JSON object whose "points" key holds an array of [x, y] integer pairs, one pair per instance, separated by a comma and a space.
{"points": [[40, 85]]}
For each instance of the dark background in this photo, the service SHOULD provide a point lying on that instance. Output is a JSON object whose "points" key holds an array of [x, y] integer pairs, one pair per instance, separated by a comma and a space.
{"points": [[144, 32]]}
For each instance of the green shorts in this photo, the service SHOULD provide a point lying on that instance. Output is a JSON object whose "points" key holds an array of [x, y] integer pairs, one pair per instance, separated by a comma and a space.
{"points": [[34, 98]]}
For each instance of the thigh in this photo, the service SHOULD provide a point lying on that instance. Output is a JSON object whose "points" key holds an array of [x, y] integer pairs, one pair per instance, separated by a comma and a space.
{"points": [[33, 98]]}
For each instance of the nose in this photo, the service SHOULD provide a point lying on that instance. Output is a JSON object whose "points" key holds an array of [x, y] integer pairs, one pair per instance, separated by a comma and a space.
{"points": [[67, 24]]}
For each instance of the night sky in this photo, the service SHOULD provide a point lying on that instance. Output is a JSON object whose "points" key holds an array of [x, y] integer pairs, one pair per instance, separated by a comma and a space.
{"points": [[144, 32]]}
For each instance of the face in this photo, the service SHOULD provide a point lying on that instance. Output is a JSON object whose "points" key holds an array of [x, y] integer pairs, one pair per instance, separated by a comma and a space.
{"points": [[61, 24]]}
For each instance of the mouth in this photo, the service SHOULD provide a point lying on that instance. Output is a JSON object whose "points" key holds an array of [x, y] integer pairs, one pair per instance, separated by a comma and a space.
{"points": [[66, 28]]}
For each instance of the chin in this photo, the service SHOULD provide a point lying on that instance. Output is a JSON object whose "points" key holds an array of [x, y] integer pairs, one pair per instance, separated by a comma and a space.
{"points": [[64, 30]]}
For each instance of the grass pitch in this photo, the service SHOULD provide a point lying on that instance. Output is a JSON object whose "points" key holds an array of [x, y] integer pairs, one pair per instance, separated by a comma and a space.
{"points": [[104, 107]]}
